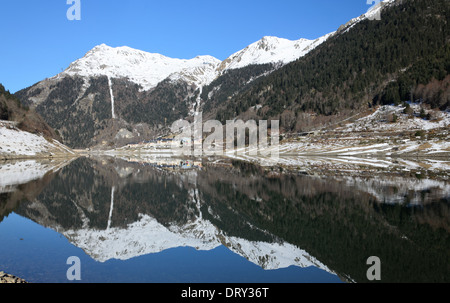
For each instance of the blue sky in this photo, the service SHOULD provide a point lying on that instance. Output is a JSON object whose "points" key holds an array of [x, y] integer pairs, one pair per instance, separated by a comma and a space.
{"points": [[38, 41]]}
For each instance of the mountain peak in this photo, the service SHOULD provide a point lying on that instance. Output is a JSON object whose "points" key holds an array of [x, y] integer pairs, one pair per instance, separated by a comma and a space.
{"points": [[270, 39], [102, 46], [146, 69], [374, 12], [269, 42], [271, 49]]}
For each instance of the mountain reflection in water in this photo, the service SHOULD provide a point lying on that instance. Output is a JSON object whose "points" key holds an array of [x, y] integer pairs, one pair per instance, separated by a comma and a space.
{"points": [[120, 210]]}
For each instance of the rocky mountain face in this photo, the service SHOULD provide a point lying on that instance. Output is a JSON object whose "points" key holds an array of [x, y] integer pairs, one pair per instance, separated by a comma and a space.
{"points": [[12, 110], [82, 110]]}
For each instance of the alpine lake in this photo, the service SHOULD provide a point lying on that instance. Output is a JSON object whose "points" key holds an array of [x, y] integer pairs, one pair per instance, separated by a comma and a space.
{"points": [[176, 221]]}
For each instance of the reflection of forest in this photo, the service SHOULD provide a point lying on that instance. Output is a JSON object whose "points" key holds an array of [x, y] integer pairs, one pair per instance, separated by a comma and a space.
{"points": [[342, 226], [339, 224]]}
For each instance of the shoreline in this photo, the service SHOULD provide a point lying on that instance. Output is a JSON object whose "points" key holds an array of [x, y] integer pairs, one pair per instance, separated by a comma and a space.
{"points": [[5, 158], [10, 279], [319, 154]]}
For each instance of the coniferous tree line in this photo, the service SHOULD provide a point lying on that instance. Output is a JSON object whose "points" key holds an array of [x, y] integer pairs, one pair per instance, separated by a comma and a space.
{"points": [[231, 83]]}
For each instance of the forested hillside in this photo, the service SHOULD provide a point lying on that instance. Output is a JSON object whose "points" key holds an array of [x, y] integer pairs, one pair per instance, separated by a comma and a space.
{"points": [[403, 56]]}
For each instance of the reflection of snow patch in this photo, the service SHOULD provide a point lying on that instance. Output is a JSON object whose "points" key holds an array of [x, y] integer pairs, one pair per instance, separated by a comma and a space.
{"points": [[111, 207], [16, 173], [149, 236], [399, 190]]}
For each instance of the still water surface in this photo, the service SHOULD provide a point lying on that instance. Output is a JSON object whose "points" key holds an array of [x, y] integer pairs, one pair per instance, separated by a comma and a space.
{"points": [[139, 222]]}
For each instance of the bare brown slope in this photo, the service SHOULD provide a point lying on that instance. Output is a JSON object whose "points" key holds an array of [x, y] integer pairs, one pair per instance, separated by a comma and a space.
{"points": [[27, 120]]}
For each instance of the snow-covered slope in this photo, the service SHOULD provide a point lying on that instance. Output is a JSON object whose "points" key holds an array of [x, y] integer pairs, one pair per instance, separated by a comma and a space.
{"points": [[15, 143], [271, 50], [146, 69], [278, 50], [374, 13]]}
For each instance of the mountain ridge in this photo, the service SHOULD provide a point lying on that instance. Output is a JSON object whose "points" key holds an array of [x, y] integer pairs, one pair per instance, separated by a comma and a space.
{"points": [[154, 89], [269, 49], [149, 69], [143, 68]]}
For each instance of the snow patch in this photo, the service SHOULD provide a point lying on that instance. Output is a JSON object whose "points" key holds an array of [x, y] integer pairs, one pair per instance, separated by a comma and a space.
{"points": [[15, 142]]}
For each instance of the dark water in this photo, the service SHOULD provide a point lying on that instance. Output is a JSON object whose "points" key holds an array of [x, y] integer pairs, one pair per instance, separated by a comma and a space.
{"points": [[137, 222]]}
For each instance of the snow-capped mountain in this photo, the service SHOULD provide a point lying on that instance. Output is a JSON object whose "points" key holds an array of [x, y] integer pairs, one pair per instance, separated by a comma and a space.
{"points": [[143, 68], [149, 69], [278, 50], [112, 89], [100, 89]]}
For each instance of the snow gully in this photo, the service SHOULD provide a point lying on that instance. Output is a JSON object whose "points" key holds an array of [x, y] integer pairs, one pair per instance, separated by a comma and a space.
{"points": [[113, 113]]}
